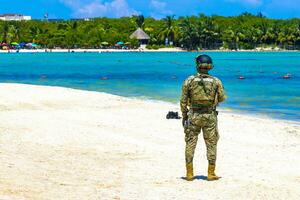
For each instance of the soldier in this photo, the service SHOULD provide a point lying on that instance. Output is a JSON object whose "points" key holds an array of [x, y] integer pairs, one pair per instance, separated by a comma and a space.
{"points": [[201, 94]]}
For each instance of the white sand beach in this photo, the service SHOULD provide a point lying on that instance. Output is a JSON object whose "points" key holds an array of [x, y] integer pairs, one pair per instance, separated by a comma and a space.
{"points": [[59, 143]]}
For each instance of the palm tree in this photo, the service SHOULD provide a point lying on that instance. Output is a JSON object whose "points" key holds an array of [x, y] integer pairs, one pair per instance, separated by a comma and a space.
{"points": [[140, 21], [14, 31], [169, 30], [10, 32], [282, 39], [255, 34], [189, 34], [72, 34], [34, 32], [232, 38], [297, 43], [208, 32], [4, 31]]}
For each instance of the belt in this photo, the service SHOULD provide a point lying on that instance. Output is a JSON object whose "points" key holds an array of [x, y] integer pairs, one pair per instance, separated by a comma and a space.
{"points": [[204, 110]]}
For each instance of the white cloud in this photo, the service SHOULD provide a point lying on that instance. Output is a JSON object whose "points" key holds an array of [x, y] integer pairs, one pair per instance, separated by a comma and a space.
{"points": [[158, 5], [159, 9], [99, 8]]}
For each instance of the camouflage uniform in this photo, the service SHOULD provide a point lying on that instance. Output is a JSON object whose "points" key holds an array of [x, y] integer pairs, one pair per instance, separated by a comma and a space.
{"points": [[200, 95]]}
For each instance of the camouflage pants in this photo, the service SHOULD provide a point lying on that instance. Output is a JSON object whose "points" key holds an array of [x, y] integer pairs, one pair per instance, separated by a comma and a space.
{"points": [[208, 124]]}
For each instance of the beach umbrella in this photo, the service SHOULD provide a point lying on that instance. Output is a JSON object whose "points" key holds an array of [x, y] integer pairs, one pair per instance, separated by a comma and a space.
{"points": [[127, 43], [104, 43], [32, 45], [22, 44], [29, 45], [14, 44], [120, 43]]}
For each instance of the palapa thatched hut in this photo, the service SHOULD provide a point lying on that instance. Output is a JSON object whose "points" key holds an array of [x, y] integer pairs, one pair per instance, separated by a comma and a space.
{"points": [[141, 36]]}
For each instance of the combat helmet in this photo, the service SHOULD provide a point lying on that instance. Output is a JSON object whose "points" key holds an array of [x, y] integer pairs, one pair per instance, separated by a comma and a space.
{"points": [[204, 63]]}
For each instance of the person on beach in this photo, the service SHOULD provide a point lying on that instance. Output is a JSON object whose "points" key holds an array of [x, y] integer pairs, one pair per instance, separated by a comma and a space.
{"points": [[201, 93]]}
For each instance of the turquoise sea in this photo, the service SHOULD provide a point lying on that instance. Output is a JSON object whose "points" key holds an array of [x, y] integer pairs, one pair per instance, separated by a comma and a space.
{"points": [[159, 76]]}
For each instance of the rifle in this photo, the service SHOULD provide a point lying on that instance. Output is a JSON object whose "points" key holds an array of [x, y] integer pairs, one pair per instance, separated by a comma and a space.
{"points": [[216, 100]]}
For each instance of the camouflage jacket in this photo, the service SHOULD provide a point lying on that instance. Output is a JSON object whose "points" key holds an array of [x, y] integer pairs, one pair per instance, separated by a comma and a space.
{"points": [[201, 90]]}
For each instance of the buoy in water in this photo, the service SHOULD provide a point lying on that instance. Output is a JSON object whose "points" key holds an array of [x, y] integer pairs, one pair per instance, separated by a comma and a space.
{"points": [[287, 76], [104, 78]]}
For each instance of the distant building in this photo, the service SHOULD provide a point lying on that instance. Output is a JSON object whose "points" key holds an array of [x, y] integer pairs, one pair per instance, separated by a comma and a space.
{"points": [[140, 35], [14, 17]]}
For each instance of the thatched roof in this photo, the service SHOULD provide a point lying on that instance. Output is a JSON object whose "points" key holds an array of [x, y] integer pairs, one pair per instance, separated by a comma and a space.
{"points": [[140, 35]]}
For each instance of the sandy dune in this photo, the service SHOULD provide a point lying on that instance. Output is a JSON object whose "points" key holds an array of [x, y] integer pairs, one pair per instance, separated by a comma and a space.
{"points": [[58, 143]]}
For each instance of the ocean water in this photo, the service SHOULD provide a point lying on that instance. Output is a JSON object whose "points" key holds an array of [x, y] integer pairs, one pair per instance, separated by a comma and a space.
{"points": [[159, 76]]}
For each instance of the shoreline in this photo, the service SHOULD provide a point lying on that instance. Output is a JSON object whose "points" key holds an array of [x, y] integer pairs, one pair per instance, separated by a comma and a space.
{"points": [[63, 143], [167, 50], [227, 110]]}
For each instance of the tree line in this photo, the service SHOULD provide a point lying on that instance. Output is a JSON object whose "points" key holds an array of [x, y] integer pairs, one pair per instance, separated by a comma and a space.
{"points": [[246, 31]]}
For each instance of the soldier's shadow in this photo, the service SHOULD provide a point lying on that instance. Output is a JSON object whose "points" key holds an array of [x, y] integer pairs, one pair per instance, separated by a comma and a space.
{"points": [[200, 177]]}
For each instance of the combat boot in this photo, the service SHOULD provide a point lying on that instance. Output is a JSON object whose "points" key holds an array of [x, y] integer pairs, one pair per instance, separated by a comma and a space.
{"points": [[189, 172], [211, 176]]}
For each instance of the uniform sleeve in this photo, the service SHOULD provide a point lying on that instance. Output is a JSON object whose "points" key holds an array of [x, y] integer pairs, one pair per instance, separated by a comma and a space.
{"points": [[221, 91], [184, 101]]}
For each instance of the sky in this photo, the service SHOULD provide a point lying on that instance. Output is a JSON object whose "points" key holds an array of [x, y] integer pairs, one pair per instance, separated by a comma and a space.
{"points": [[279, 9]]}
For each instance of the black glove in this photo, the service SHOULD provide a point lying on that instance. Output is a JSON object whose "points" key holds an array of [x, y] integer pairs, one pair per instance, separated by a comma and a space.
{"points": [[184, 121]]}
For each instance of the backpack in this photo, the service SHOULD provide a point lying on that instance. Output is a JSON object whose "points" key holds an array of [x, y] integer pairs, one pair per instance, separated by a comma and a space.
{"points": [[202, 91]]}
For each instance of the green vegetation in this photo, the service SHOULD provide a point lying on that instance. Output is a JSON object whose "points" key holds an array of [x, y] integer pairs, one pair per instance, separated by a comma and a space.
{"points": [[245, 31]]}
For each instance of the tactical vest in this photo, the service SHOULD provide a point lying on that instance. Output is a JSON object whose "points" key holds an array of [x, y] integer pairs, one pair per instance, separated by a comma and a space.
{"points": [[203, 91]]}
